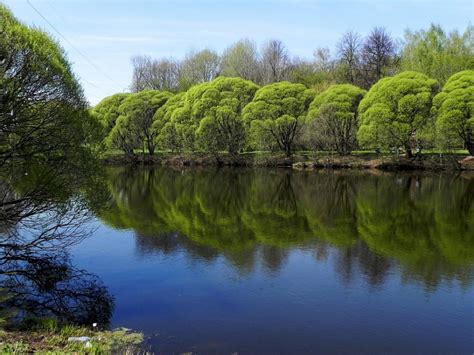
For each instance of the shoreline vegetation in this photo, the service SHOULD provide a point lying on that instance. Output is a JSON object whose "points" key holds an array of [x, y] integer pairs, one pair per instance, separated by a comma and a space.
{"points": [[46, 336], [302, 161]]}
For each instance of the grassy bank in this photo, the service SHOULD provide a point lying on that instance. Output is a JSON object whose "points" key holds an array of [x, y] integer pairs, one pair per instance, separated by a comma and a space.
{"points": [[48, 338], [302, 160]]}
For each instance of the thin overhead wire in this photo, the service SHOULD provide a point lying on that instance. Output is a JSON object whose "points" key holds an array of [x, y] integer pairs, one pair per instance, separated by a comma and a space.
{"points": [[96, 67]]}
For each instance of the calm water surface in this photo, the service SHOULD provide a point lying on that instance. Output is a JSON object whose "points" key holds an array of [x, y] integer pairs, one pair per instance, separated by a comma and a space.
{"points": [[279, 261]]}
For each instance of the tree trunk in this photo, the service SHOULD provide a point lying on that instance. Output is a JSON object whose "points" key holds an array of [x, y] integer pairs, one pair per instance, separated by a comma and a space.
{"points": [[151, 147], [408, 153], [232, 150], [470, 147]]}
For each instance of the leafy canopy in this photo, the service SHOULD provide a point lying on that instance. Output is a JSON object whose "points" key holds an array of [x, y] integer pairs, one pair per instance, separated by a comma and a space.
{"points": [[396, 112], [276, 114], [166, 128], [207, 116], [454, 107], [133, 127], [438, 54], [333, 117], [107, 111], [42, 106]]}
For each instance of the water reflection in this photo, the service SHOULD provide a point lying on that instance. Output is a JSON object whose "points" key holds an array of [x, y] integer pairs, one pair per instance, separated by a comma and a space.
{"points": [[48, 285], [421, 224], [45, 209]]}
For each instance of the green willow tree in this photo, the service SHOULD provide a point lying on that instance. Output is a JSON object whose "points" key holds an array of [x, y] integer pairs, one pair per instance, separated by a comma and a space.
{"points": [[333, 120], [396, 113], [120, 136], [223, 101], [167, 126], [454, 108], [42, 107], [107, 111], [276, 115], [135, 122], [209, 116], [46, 135]]}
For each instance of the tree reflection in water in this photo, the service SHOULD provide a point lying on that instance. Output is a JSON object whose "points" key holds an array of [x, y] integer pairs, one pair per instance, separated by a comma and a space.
{"points": [[421, 223], [44, 210]]}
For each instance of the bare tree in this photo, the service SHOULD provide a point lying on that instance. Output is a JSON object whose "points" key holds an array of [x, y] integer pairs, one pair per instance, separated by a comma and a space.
{"points": [[325, 68], [141, 65], [241, 60], [165, 74], [275, 61], [349, 52], [323, 61], [379, 56], [199, 67], [161, 74]]}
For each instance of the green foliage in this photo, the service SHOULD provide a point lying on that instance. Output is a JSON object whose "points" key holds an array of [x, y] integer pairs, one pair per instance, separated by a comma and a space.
{"points": [[276, 115], [133, 128], [14, 348], [164, 125], [208, 117], [46, 133], [107, 111], [421, 223], [332, 118], [120, 137], [437, 54], [304, 73], [454, 108], [47, 340], [396, 112], [43, 109]]}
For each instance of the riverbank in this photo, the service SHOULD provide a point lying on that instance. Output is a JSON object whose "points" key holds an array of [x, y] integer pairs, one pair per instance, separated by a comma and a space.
{"points": [[69, 340], [429, 161]]}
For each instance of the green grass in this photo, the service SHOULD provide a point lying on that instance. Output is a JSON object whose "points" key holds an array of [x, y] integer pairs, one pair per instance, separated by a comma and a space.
{"points": [[45, 336]]}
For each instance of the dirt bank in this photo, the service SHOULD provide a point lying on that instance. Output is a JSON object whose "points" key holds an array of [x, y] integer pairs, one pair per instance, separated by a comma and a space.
{"points": [[302, 161]]}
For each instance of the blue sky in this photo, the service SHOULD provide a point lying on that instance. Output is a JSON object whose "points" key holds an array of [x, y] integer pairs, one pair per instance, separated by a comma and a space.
{"points": [[109, 32]]}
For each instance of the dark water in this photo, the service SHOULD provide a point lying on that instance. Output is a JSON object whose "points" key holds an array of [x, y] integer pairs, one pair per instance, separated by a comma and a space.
{"points": [[278, 261]]}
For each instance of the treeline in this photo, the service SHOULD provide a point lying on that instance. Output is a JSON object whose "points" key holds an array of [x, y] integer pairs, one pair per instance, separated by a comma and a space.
{"points": [[408, 111], [357, 60]]}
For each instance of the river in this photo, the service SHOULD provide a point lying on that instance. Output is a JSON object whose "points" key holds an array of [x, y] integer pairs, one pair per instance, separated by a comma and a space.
{"points": [[280, 261]]}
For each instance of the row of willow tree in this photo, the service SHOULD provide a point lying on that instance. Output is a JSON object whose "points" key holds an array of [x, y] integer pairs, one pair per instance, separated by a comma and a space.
{"points": [[408, 111]]}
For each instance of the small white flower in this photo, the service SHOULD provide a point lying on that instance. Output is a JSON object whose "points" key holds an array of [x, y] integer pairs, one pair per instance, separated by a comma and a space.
{"points": [[94, 325]]}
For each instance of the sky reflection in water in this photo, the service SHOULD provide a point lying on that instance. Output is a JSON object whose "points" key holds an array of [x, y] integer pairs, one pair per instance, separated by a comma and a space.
{"points": [[252, 261]]}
